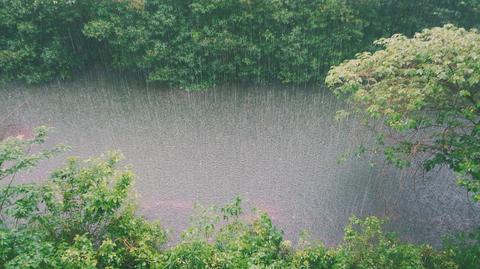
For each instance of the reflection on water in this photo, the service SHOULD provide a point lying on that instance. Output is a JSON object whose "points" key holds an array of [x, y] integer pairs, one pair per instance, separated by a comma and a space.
{"points": [[276, 147]]}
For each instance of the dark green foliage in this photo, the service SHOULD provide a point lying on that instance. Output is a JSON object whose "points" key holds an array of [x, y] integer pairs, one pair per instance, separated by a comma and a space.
{"points": [[196, 43], [40, 40], [465, 249], [320, 34], [367, 246]]}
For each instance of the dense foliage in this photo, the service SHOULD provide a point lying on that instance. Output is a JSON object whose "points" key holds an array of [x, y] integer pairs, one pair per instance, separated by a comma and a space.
{"points": [[195, 43], [421, 96], [80, 218], [83, 216]]}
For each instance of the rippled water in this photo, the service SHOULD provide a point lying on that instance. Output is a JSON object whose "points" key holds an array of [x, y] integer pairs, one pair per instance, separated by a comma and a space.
{"points": [[276, 147]]}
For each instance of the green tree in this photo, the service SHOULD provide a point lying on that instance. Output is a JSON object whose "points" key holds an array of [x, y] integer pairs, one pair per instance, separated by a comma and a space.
{"points": [[40, 40], [16, 157], [197, 43], [82, 217], [421, 96]]}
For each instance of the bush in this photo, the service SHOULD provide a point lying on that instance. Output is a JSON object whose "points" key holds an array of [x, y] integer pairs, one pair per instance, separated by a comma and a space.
{"points": [[81, 218], [367, 246], [464, 248]]}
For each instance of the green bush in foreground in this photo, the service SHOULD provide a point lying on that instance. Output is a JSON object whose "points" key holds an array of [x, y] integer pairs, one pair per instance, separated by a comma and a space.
{"points": [[82, 217]]}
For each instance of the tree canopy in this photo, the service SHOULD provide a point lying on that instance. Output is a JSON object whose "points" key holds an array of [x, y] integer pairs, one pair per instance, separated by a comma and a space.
{"points": [[197, 43], [421, 95]]}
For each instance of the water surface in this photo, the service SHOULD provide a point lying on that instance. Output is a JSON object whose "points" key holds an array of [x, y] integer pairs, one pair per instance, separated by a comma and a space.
{"points": [[277, 147]]}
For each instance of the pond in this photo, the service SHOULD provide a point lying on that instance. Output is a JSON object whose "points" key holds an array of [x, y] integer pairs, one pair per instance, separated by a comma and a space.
{"points": [[276, 147]]}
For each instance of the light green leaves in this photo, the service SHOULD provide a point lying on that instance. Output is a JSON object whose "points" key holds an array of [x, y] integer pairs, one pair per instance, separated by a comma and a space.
{"points": [[425, 89], [15, 156]]}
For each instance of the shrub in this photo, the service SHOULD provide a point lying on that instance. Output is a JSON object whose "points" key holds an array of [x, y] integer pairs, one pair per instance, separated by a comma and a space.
{"points": [[464, 248], [367, 246], [81, 218]]}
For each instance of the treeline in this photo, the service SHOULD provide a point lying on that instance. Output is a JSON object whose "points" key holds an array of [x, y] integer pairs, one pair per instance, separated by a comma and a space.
{"points": [[196, 43]]}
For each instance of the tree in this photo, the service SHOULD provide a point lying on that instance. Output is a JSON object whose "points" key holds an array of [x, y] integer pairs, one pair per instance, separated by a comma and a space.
{"points": [[16, 157], [81, 217], [421, 96]]}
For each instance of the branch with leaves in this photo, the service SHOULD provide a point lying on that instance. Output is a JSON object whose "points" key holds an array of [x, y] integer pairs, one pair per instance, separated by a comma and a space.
{"points": [[425, 92]]}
